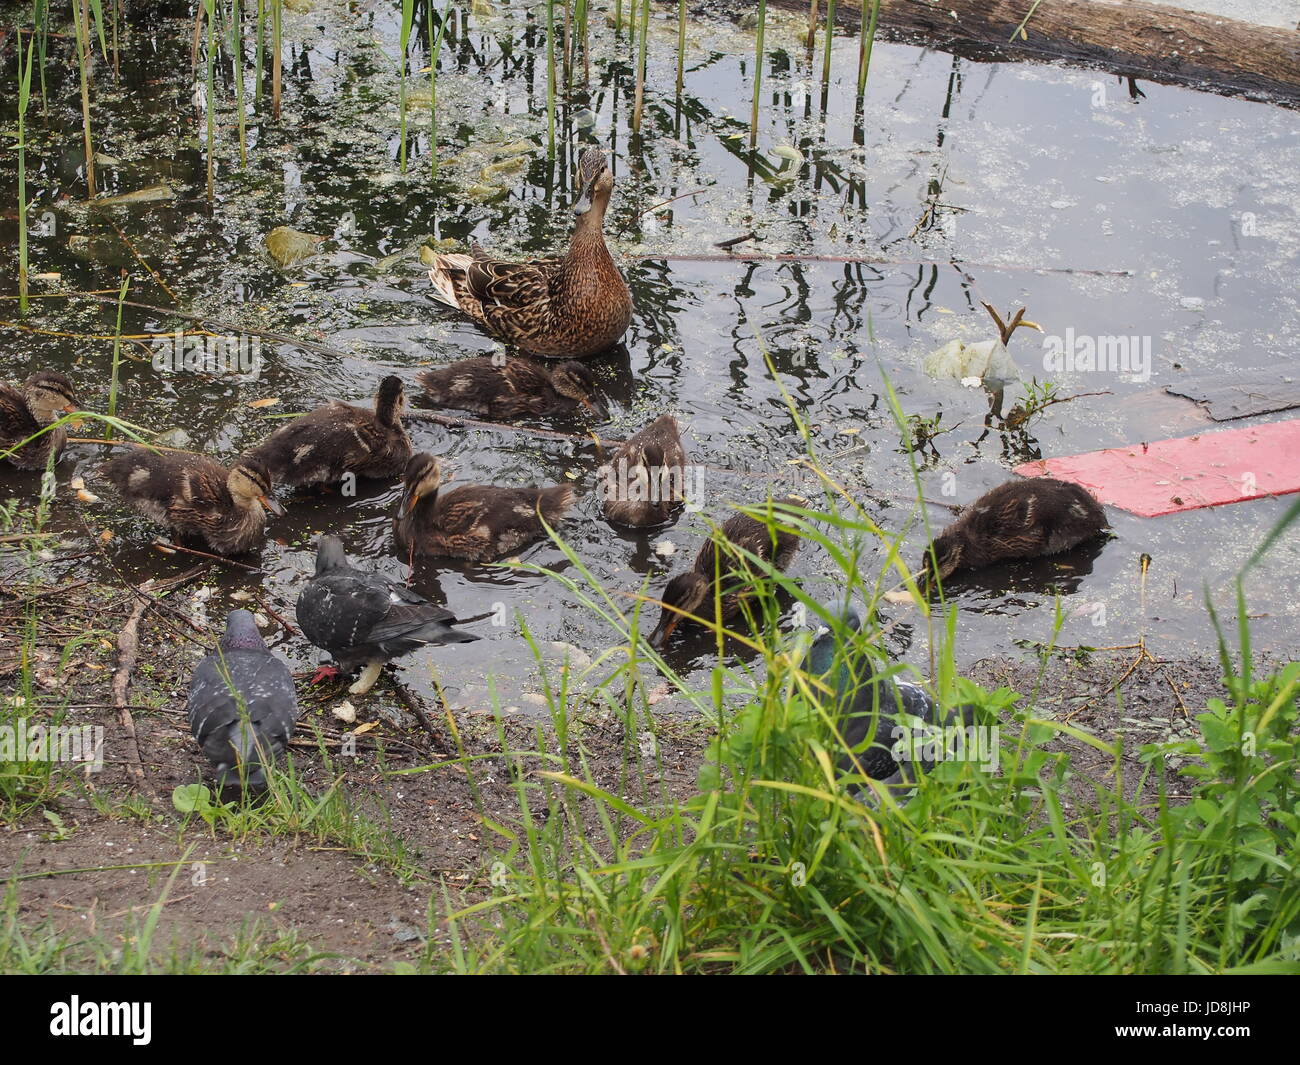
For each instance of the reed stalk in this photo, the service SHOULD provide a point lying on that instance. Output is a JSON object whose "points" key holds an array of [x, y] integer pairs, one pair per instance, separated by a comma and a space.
{"points": [[435, 49], [209, 14], [237, 51], [404, 40], [24, 94], [117, 356], [758, 71], [82, 20], [639, 99], [258, 48], [550, 78], [826, 51], [681, 45], [865, 45], [277, 12]]}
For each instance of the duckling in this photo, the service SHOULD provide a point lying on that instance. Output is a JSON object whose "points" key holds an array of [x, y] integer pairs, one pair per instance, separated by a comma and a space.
{"points": [[690, 591], [242, 707], [336, 439], [873, 712], [513, 388], [570, 307], [1017, 519], [645, 481], [194, 496], [361, 617], [477, 522], [26, 410]]}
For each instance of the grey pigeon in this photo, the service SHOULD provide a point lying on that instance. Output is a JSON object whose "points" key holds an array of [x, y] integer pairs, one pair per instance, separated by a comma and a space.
{"points": [[367, 618], [242, 706], [904, 709]]}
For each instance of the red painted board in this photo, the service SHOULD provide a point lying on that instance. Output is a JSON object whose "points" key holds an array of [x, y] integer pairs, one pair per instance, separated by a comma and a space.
{"points": [[1186, 473]]}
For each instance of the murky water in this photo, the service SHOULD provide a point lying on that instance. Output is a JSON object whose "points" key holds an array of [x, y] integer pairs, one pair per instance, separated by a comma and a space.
{"points": [[1106, 209]]}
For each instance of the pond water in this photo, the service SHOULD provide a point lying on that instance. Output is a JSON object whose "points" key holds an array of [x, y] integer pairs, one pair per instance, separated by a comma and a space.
{"points": [[1104, 207]]}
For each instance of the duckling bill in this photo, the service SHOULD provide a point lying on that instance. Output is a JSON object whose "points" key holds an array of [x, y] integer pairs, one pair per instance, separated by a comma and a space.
{"points": [[1018, 519], [39, 402], [193, 496], [478, 522], [567, 308], [325, 444], [690, 595]]}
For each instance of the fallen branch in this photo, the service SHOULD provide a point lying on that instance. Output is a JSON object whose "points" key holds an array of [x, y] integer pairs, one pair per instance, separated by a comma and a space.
{"points": [[128, 645]]}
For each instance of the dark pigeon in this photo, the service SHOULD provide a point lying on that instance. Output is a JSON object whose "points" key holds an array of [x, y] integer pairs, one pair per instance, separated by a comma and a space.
{"points": [[242, 706], [365, 618], [860, 692]]}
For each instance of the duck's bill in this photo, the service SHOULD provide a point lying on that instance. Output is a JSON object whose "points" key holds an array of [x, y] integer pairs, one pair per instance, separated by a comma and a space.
{"points": [[582, 206], [408, 504], [274, 507], [596, 407], [664, 630], [72, 408]]}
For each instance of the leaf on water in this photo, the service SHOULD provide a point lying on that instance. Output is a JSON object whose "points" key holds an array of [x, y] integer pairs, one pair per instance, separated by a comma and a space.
{"points": [[361, 730], [485, 193], [150, 194], [899, 597], [87, 497], [269, 401], [289, 246]]}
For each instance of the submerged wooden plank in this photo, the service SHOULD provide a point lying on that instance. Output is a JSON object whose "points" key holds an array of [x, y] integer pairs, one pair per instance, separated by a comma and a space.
{"points": [[1226, 396], [1186, 473]]}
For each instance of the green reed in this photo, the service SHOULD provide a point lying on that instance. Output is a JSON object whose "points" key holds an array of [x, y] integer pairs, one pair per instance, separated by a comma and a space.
{"points": [[865, 45], [82, 20], [435, 49], [404, 40], [41, 21], [277, 13], [258, 48], [117, 357], [681, 45], [209, 14], [758, 71], [237, 51], [642, 48], [812, 30], [550, 78], [580, 19], [826, 51], [24, 94]]}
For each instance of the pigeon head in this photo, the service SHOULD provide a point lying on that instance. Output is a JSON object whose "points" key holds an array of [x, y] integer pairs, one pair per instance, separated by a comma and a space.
{"points": [[821, 656], [241, 633], [330, 555]]}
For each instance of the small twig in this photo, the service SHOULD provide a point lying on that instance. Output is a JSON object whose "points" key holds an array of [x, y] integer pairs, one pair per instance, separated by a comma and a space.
{"points": [[169, 548], [128, 645], [725, 244], [674, 199], [413, 704], [284, 624]]}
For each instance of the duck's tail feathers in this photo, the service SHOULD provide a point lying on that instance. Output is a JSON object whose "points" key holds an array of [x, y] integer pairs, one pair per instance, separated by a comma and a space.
{"points": [[554, 501], [443, 274]]}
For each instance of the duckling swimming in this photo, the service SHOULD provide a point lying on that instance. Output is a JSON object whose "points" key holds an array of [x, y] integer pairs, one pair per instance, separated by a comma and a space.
{"points": [[512, 388], [1018, 519], [645, 480], [478, 522], [337, 439], [690, 591], [25, 410], [194, 496]]}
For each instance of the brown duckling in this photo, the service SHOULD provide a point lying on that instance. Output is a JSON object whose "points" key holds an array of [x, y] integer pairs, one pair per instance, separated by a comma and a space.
{"points": [[571, 307], [645, 481], [512, 388], [692, 592], [336, 439], [25, 410], [1019, 519], [476, 521], [194, 496]]}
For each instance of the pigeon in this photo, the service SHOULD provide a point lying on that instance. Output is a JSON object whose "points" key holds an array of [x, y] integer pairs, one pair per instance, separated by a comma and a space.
{"points": [[242, 706], [367, 618], [906, 710]]}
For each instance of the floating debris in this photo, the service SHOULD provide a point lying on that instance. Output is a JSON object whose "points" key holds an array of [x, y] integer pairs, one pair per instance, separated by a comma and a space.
{"points": [[288, 246]]}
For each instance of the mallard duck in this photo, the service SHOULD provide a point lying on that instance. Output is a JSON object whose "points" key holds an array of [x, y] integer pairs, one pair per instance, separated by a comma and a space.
{"points": [[564, 308], [1019, 519], [367, 618], [691, 593], [336, 439], [29, 408], [194, 496], [511, 388], [645, 480], [242, 706], [476, 521], [874, 713]]}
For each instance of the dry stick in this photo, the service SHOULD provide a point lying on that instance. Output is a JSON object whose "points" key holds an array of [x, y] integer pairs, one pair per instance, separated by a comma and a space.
{"points": [[674, 199], [261, 601], [170, 548], [413, 704], [140, 258], [128, 644]]}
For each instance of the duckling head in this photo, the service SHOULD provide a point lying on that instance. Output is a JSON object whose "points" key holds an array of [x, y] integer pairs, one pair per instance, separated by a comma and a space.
{"points": [[574, 381], [597, 182], [49, 395], [250, 483], [391, 400], [949, 549], [423, 477], [687, 592]]}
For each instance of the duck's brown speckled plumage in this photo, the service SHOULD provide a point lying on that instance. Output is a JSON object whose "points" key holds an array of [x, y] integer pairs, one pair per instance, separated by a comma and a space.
{"points": [[481, 523], [28, 408], [513, 388], [570, 307], [1018, 519], [193, 496], [692, 591], [336, 439], [644, 481]]}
